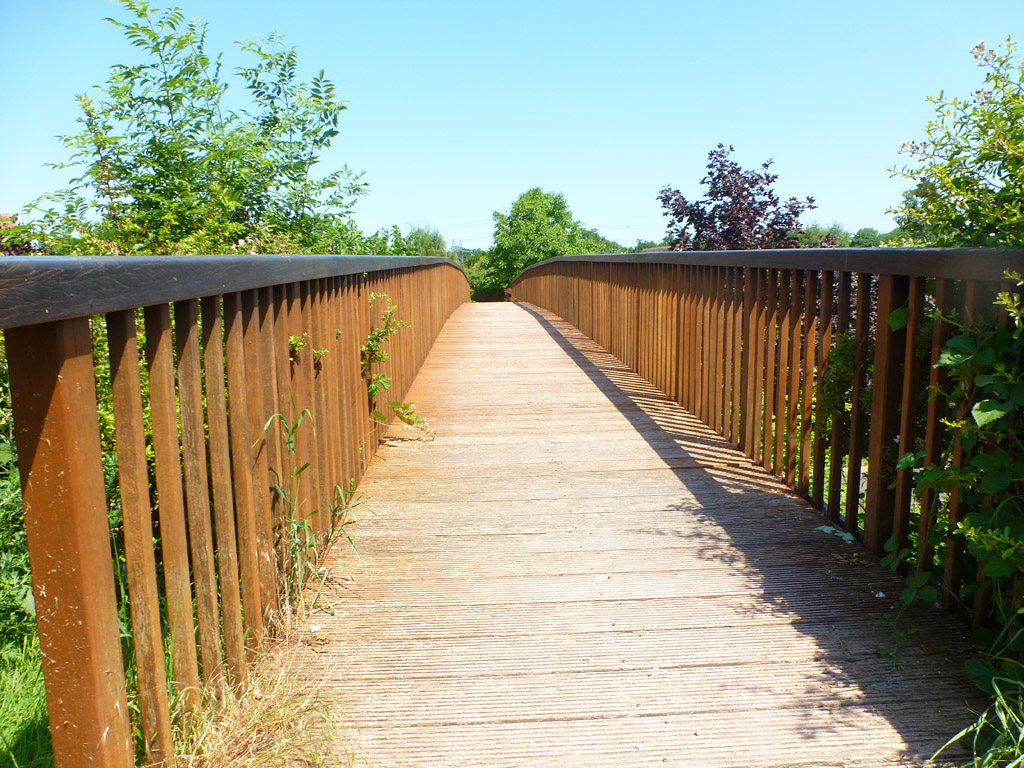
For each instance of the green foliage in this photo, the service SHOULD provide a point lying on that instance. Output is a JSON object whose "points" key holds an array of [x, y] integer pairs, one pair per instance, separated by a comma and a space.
{"points": [[373, 351], [24, 725], [985, 367], [594, 242], [164, 166], [423, 241], [968, 172], [302, 543], [538, 226], [996, 738], [643, 245], [866, 237], [816, 235]]}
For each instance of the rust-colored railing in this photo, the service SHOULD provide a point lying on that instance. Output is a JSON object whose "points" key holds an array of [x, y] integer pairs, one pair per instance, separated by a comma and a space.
{"points": [[226, 347], [743, 340]]}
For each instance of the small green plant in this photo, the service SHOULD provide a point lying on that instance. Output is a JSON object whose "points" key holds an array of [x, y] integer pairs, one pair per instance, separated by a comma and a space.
{"points": [[918, 588], [376, 383], [296, 344], [406, 413], [372, 351], [319, 355]]}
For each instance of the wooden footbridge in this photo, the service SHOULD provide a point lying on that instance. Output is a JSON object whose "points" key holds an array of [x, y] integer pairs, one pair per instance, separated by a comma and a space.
{"points": [[620, 544]]}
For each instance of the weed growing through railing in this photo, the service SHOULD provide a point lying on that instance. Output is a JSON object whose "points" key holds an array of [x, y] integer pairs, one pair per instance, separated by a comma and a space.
{"points": [[372, 351], [303, 543]]}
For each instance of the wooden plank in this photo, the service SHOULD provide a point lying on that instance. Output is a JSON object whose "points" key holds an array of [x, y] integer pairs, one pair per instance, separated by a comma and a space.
{"points": [[53, 397], [316, 370], [171, 503], [951, 263], [747, 363], [200, 532], [760, 341], [810, 339], [242, 469], [651, 588], [886, 389], [259, 381], [794, 376], [223, 493], [858, 425], [974, 307], [136, 515], [839, 434], [783, 372], [737, 355], [824, 342], [772, 329], [43, 289], [934, 434], [908, 413]]}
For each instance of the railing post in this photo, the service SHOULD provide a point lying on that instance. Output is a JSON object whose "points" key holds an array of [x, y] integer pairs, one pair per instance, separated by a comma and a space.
{"points": [[886, 391], [53, 395]]}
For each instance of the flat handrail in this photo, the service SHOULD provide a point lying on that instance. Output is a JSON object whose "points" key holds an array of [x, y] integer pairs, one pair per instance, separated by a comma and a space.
{"points": [[37, 289], [950, 263]]}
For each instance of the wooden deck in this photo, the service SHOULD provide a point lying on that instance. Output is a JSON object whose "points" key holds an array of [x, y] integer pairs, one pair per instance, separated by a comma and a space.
{"points": [[575, 572]]}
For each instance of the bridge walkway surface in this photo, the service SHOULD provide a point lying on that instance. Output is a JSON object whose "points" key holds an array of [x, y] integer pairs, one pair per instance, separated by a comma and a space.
{"points": [[575, 572]]}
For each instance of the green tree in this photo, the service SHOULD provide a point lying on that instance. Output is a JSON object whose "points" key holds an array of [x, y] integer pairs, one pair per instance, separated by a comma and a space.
{"points": [[594, 242], [163, 166], [642, 245], [866, 237], [423, 241], [968, 171], [538, 226], [817, 235]]}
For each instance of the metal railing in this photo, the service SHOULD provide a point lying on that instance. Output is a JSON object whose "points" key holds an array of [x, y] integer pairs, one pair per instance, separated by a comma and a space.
{"points": [[226, 346]]}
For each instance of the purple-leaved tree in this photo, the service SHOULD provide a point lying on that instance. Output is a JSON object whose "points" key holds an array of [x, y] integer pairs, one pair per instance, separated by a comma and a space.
{"points": [[740, 212]]}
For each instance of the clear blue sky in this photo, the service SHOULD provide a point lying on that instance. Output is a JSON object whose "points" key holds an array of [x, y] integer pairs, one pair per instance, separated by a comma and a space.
{"points": [[458, 107]]}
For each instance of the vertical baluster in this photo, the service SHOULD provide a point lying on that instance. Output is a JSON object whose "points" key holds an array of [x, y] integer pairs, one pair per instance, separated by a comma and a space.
{"points": [[824, 342], [171, 503], [811, 311], [136, 513], [770, 367], [886, 388], [53, 398], [838, 437], [223, 498], [935, 433], [908, 413], [857, 421], [246, 514]]}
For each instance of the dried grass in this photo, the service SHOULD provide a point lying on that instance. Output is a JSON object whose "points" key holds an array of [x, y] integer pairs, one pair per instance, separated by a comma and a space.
{"points": [[277, 721]]}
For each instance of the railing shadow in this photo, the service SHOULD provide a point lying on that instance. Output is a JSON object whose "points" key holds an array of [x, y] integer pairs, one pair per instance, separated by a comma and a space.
{"points": [[830, 591]]}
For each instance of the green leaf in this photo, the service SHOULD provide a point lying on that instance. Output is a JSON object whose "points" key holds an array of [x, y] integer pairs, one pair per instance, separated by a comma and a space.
{"points": [[997, 568], [981, 673], [907, 461], [988, 411], [928, 594], [1017, 395], [994, 482], [898, 318], [990, 462], [963, 343]]}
